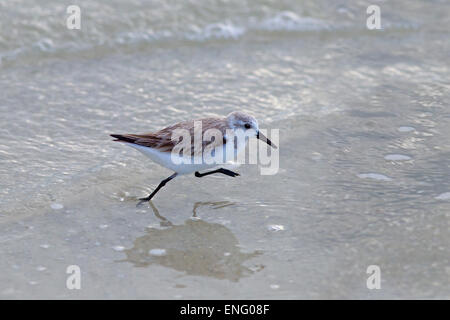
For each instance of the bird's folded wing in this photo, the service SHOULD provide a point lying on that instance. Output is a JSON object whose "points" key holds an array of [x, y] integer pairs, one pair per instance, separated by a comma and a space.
{"points": [[162, 140], [149, 140]]}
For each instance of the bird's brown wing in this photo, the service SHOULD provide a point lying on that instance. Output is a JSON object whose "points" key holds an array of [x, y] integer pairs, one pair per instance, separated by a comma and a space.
{"points": [[162, 140], [150, 140]]}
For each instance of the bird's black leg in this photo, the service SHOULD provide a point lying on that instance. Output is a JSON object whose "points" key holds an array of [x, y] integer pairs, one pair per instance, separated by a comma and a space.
{"points": [[221, 170], [161, 184]]}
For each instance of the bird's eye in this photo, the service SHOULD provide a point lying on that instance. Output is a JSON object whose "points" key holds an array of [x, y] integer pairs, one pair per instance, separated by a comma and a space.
{"points": [[247, 126]]}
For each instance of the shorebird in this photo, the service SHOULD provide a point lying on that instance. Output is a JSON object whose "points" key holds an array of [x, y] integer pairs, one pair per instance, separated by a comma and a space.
{"points": [[160, 146]]}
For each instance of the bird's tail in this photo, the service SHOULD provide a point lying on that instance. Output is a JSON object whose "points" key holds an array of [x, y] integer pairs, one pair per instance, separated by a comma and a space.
{"points": [[123, 138]]}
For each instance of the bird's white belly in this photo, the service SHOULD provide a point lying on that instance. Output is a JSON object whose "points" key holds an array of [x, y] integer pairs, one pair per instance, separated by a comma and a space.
{"points": [[174, 162]]}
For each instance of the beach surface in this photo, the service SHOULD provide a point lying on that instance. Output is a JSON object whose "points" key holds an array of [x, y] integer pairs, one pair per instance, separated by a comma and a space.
{"points": [[364, 150]]}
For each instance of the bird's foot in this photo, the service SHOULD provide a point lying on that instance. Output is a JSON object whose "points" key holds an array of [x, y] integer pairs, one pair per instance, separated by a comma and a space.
{"points": [[142, 201]]}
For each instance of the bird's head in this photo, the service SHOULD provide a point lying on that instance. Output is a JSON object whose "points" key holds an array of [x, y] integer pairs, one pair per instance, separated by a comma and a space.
{"points": [[241, 121]]}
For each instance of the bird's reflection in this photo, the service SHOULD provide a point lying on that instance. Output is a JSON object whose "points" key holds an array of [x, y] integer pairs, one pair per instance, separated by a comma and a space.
{"points": [[195, 247]]}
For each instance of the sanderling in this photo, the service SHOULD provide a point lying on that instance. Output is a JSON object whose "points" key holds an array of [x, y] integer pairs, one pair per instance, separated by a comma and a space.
{"points": [[161, 146]]}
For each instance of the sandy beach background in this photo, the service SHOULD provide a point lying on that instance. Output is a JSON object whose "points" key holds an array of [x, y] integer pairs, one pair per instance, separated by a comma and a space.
{"points": [[364, 174]]}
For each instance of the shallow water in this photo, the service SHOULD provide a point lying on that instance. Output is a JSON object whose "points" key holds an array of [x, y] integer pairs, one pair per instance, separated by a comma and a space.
{"points": [[364, 150]]}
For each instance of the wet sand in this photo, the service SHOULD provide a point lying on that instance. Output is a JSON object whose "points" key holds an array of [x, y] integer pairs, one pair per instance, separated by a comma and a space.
{"points": [[364, 175], [218, 237]]}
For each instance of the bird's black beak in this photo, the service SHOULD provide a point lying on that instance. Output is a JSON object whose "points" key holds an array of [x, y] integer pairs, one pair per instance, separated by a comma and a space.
{"points": [[262, 137]]}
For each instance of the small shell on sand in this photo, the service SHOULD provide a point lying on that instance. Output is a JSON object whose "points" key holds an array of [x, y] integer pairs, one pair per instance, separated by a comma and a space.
{"points": [[274, 286], [443, 196], [158, 252], [406, 129], [374, 176], [275, 227], [56, 206], [397, 157]]}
